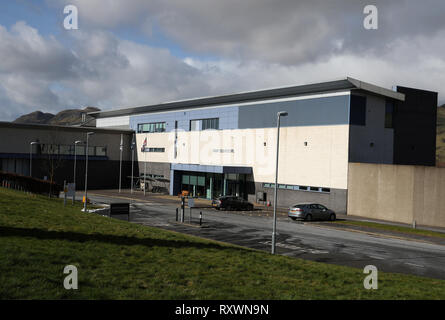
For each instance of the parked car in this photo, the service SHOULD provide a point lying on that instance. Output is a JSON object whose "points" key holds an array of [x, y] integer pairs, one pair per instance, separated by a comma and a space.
{"points": [[232, 203], [311, 211]]}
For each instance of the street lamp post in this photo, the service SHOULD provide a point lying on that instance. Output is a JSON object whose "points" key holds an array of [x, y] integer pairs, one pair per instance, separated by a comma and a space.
{"points": [[86, 174], [74, 175], [133, 143], [279, 115], [121, 148], [30, 156]]}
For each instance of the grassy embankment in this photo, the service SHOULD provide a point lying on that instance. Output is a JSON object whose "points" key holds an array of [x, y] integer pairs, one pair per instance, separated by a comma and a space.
{"points": [[120, 260]]}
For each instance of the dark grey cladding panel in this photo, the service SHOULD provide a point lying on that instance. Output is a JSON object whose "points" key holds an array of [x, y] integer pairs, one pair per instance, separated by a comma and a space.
{"points": [[310, 112]]}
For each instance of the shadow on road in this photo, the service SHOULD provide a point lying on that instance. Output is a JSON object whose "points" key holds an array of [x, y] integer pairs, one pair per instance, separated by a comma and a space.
{"points": [[107, 238]]}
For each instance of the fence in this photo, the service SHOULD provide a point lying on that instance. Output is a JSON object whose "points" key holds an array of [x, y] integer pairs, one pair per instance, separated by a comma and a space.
{"points": [[28, 184]]}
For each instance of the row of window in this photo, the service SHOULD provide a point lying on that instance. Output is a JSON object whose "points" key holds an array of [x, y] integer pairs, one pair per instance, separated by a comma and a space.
{"points": [[300, 188], [151, 127], [56, 149], [195, 125], [204, 124], [154, 149]]}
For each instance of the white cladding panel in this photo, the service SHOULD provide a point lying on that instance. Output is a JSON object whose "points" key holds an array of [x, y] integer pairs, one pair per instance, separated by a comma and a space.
{"points": [[309, 155]]}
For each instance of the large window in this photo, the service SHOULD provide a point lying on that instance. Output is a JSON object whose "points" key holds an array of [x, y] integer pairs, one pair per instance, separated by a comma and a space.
{"points": [[358, 111], [151, 127], [204, 124]]}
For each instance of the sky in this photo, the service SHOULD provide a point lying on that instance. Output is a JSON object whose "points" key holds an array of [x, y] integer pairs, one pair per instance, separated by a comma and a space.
{"points": [[140, 52]]}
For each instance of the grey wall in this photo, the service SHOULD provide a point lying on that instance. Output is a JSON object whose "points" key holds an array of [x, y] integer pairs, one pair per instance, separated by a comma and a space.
{"points": [[335, 200], [361, 137]]}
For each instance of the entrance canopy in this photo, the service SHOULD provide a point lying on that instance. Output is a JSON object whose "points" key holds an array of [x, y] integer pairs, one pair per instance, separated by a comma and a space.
{"points": [[211, 169]]}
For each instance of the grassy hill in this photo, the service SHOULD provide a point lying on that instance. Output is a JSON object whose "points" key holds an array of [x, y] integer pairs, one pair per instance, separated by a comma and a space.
{"points": [[120, 260], [64, 118]]}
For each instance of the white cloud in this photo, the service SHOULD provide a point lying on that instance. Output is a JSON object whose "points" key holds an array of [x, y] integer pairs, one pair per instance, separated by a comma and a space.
{"points": [[253, 45]]}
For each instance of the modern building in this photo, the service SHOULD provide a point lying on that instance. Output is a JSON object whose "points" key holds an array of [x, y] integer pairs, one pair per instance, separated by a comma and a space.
{"points": [[226, 145], [53, 151]]}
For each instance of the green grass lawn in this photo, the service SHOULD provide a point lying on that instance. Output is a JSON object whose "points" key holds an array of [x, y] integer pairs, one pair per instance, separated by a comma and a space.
{"points": [[119, 260], [399, 229]]}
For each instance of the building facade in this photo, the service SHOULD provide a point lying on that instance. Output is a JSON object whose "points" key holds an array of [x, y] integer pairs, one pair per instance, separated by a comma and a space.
{"points": [[226, 145], [53, 152]]}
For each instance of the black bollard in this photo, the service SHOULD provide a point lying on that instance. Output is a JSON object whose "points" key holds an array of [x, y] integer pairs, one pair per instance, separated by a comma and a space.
{"points": [[177, 214], [200, 217]]}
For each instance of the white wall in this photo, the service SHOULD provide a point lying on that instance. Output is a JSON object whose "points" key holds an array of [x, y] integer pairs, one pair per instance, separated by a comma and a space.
{"points": [[323, 162]]}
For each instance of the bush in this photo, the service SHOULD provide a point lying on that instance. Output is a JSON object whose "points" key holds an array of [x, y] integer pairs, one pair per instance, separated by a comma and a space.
{"points": [[25, 183]]}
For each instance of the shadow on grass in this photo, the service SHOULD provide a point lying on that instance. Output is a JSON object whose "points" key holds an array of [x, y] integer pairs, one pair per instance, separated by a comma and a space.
{"points": [[107, 238]]}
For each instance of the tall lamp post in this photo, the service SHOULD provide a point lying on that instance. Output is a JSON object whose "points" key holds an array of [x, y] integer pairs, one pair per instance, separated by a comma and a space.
{"points": [[30, 156], [121, 148], [74, 175], [279, 115], [133, 144], [86, 174]]}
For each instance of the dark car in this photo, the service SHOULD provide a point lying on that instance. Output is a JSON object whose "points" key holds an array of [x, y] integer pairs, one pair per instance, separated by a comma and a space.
{"points": [[232, 203], [311, 211]]}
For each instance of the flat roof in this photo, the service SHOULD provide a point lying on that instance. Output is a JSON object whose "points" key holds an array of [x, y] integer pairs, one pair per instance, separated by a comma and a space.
{"points": [[337, 85], [5, 124]]}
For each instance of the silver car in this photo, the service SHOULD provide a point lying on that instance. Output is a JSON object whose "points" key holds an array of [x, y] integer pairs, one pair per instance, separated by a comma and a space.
{"points": [[311, 211]]}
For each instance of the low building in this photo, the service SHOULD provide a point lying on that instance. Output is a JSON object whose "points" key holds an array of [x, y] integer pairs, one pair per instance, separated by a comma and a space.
{"points": [[53, 152]]}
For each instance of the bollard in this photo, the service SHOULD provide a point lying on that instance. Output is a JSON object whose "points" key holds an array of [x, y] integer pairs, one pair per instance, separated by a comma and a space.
{"points": [[177, 214], [200, 217]]}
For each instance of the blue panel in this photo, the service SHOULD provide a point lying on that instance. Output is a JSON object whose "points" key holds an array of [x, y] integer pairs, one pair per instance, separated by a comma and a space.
{"points": [[228, 118], [310, 112]]}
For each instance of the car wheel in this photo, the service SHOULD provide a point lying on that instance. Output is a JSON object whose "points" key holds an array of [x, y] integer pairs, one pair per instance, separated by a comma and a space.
{"points": [[228, 208], [293, 218], [308, 217], [250, 207], [332, 217], [218, 208]]}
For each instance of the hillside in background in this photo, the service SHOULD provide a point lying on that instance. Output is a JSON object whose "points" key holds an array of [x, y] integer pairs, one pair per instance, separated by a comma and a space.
{"points": [[440, 141], [68, 117]]}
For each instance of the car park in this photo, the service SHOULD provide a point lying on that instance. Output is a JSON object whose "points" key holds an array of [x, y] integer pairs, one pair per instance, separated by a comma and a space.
{"points": [[311, 211], [232, 203]]}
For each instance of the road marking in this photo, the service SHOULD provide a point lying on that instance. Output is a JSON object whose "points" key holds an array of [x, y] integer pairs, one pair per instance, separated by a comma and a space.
{"points": [[377, 257], [415, 265], [296, 248]]}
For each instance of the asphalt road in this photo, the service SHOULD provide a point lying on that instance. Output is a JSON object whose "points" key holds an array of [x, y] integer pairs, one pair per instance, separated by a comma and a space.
{"points": [[296, 239]]}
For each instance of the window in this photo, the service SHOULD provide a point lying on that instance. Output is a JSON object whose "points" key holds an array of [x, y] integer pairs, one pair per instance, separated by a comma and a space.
{"points": [[194, 125], [389, 114], [80, 150], [210, 124], [151, 127], [357, 111], [299, 188], [154, 149], [66, 150], [101, 151], [204, 124]]}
